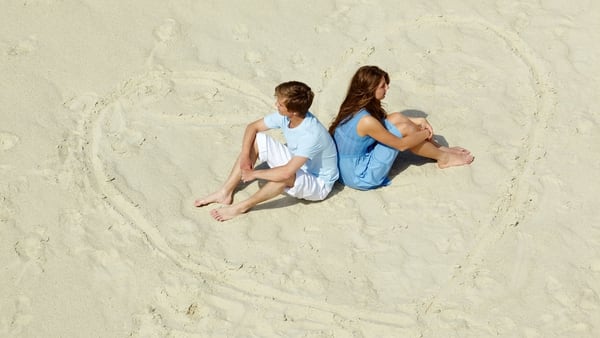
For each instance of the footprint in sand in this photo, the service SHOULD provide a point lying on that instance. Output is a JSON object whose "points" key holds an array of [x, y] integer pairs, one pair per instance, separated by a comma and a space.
{"points": [[172, 47], [240, 32], [21, 317], [123, 138], [8, 140], [169, 30], [32, 246], [23, 47], [31, 250], [7, 210]]}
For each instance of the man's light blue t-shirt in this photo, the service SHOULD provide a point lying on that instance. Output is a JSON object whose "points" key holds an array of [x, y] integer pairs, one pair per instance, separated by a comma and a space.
{"points": [[310, 139]]}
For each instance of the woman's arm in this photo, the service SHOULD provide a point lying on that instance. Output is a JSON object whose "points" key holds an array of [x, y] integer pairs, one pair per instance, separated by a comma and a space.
{"points": [[368, 125], [421, 121]]}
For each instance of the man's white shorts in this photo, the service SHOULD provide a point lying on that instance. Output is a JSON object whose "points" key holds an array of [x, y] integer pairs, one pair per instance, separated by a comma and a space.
{"points": [[306, 186]]}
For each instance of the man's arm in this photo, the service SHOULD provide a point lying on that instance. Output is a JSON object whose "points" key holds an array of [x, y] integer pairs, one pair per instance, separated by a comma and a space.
{"points": [[248, 142], [278, 174]]}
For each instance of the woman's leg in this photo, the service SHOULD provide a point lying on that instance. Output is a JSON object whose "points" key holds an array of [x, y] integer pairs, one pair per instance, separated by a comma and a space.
{"points": [[445, 157]]}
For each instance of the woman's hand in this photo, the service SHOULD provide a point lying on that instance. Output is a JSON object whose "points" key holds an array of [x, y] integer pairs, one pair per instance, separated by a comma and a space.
{"points": [[428, 128], [424, 125]]}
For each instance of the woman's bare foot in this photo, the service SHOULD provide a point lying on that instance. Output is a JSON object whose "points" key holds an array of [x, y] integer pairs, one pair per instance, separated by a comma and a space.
{"points": [[225, 213], [222, 197], [454, 159]]}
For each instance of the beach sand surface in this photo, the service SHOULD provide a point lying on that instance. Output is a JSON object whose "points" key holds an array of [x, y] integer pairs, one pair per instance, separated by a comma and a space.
{"points": [[115, 116]]}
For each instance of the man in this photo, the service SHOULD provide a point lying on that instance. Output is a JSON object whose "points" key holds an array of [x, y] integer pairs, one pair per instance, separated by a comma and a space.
{"points": [[306, 167]]}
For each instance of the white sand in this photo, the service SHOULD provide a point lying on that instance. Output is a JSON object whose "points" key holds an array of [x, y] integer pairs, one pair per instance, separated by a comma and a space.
{"points": [[116, 115]]}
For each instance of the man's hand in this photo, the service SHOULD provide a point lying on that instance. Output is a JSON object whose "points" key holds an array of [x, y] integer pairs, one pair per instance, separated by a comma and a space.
{"points": [[248, 175]]}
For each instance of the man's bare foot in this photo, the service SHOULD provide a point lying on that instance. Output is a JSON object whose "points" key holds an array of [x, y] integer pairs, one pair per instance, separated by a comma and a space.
{"points": [[456, 150], [216, 197], [454, 159], [225, 213]]}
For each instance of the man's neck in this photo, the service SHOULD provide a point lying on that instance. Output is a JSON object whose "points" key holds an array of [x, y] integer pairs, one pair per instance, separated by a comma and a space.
{"points": [[295, 121]]}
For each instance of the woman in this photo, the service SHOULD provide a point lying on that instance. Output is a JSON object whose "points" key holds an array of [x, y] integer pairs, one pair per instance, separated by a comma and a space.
{"points": [[368, 139]]}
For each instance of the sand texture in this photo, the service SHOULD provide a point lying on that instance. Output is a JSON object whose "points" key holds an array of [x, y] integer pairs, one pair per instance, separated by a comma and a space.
{"points": [[116, 115]]}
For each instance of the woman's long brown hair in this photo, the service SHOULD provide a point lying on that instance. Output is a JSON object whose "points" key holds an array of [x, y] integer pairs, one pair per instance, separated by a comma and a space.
{"points": [[361, 94]]}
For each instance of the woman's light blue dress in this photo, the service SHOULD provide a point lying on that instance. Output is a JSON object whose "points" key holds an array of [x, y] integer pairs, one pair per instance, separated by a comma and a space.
{"points": [[364, 163]]}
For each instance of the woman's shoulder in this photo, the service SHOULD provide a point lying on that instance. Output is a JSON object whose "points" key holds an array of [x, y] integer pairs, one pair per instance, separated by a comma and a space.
{"points": [[367, 124], [362, 112], [356, 116], [364, 117]]}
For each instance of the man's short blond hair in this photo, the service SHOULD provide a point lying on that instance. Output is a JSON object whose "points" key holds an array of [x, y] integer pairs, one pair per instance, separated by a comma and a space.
{"points": [[296, 96]]}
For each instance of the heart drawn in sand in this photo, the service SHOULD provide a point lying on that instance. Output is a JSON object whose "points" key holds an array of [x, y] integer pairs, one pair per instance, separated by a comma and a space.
{"points": [[161, 123]]}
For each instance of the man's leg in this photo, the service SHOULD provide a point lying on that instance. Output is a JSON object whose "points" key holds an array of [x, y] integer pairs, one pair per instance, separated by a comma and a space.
{"points": [[267, 192], [225, 194]]}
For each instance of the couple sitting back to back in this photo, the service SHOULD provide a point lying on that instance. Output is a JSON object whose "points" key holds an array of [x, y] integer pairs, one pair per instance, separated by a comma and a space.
{"points": [[366, 141]]}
